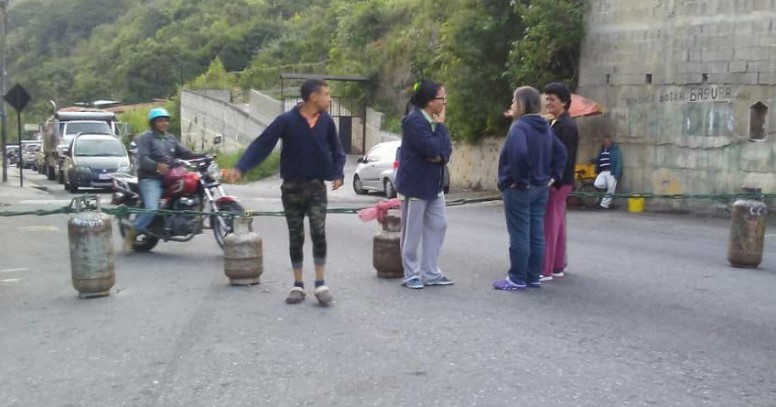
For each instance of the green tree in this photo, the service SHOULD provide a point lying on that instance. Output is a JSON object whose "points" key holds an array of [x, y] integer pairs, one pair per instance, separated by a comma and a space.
{"points": [[549, 48]]}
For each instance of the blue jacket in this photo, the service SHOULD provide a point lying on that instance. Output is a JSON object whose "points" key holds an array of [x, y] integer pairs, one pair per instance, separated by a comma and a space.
{"points": [[306, 154], [416, 176], [531, 154], [615, 158]]}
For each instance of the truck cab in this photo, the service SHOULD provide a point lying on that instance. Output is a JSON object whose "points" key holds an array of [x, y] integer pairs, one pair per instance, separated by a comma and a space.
{"points": [[60, 129]]}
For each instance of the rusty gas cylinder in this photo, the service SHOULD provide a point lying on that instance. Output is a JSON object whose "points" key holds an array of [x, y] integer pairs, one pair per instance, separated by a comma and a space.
{"points": [[92, 260], [243, 254], [386, 249], [747, 233]]}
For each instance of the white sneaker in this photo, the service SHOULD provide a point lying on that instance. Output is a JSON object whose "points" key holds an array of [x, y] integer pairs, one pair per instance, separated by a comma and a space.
{"points": [[324, 296], [545, 278], [559, 274]]}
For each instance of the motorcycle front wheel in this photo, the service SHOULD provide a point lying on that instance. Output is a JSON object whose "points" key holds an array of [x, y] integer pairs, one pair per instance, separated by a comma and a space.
{"points": [[224, 225]]}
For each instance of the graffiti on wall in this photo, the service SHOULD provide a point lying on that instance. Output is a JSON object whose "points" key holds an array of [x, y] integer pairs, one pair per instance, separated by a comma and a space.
{"points": [[660, 123], [709, 120], [661, 115], [687, 94]]}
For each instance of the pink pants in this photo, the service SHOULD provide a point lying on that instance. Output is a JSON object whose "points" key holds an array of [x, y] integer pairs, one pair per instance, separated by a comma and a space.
{"points": [[555, 231]]}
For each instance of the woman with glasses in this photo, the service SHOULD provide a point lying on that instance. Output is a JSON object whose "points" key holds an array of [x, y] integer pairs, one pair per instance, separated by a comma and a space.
{"points": [[425, 149]]}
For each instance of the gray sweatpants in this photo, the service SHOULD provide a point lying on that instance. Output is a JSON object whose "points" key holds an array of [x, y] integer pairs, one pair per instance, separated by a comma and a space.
{"points": [[426, 221]]}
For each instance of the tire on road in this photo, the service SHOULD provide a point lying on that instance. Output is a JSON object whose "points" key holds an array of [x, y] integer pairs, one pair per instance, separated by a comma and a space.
{"points": [[358, 187], [389, 189], [220, 230]]}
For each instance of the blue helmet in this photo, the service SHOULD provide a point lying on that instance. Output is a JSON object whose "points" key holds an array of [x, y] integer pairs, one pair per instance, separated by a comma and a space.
{"points": [[156, 113]]}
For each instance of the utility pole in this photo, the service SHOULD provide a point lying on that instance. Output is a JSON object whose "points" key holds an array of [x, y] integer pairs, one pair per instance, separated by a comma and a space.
{"points": [[4, 84]]}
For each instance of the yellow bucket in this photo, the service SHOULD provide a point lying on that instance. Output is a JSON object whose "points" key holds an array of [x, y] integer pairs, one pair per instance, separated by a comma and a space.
{"points": [[636, 204]]}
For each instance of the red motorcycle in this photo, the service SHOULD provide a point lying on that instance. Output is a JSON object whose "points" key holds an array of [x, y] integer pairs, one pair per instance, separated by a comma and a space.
{"points": [[190, 185]]}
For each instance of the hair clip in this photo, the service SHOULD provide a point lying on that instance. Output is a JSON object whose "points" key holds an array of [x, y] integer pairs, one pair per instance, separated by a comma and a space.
{"points": [[416, 86]]}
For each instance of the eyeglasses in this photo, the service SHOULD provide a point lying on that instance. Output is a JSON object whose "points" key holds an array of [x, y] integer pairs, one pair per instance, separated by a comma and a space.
{"points": [[442, 98]]}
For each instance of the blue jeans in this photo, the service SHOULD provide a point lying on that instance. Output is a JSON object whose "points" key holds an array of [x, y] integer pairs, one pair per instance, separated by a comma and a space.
{"points": [[151, 192], [524, 211]]}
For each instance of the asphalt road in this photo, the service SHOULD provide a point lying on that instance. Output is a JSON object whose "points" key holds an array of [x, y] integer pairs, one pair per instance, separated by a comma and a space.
{"points": [[649, 315]]}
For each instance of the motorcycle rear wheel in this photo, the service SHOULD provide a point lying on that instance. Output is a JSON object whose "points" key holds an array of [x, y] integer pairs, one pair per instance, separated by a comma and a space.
{"points": [[219, 230]]}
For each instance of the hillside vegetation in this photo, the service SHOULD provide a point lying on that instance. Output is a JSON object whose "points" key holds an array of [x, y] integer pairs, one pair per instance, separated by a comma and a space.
{"points": [[134, 51]]}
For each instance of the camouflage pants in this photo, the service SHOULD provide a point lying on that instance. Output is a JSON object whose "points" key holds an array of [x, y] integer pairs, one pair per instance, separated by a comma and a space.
{"points": [[302, 198]]}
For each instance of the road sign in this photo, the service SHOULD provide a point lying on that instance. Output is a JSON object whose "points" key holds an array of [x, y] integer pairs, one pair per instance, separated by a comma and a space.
{"points": [[17, 97]]}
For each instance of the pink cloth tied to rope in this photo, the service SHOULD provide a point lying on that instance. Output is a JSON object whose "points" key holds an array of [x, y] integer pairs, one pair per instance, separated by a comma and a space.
{"points": [[379, 211]]}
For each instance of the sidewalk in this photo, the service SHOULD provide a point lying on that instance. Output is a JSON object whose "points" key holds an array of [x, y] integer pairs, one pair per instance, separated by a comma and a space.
{"points": [[10, 192]]}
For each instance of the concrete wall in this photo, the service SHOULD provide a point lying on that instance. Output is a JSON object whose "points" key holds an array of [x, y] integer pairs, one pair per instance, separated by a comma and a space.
{"points": [[264, 108], [205, 113], [203, 116], [683, 82], [475, 166]]}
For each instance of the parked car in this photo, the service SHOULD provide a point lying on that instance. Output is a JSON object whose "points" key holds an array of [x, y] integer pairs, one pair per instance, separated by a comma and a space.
{"points": [[91, 159], [29, 156], [376, 171]]}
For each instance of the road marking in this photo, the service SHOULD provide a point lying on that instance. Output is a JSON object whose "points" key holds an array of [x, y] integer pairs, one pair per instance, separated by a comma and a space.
{"points": [[10, 280], [18, 270], [37, 228]]}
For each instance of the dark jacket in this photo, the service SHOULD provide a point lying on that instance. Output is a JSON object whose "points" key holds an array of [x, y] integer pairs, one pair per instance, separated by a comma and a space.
{"points": [[566, 130], [155, 148], [615, 159], [531, 154], [416, 176], [307, 153]]}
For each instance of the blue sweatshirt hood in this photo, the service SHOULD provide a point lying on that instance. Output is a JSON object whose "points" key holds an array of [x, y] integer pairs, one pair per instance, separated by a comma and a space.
{"points": [[531, 155]]}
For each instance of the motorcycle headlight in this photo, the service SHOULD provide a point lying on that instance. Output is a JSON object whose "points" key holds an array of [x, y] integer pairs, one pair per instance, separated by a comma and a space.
{"points": [[213, 171]]}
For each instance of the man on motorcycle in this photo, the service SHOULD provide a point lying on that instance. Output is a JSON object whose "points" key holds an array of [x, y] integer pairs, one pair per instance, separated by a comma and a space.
{"points": [[311, 154], [157, 150]]}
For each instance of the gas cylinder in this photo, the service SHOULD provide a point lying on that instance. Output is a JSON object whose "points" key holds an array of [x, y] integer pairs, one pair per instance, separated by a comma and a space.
{"points": [[92, 261], [243, 253], [386, 249], [747, 233]]}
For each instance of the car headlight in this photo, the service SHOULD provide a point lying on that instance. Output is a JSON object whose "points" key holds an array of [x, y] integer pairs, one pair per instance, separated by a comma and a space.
{"points": [[213, 171], [83, 168]]}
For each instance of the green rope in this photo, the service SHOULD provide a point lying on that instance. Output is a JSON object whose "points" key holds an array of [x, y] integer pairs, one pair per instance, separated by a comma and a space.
{"points": [[89, 203]]}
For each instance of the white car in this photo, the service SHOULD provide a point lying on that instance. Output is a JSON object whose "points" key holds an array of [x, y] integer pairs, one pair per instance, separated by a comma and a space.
{"points": [[376, 171]]}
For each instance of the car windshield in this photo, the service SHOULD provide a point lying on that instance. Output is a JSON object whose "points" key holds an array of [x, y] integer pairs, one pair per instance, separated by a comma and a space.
{"points": [[88, 127], [383, 152], [31, 147], [88, 147]]}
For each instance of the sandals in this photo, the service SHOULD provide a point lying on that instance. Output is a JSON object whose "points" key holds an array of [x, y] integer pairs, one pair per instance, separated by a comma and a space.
{"points": [[295, 295]]}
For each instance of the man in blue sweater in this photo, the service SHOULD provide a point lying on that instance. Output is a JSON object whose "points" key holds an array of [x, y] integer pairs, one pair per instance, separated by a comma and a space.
{"points": [[311, 154], [532, 159]]}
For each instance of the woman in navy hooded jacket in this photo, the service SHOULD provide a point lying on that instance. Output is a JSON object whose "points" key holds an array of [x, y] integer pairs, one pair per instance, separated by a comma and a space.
{"points": [[532, 159], [425, 149]]}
